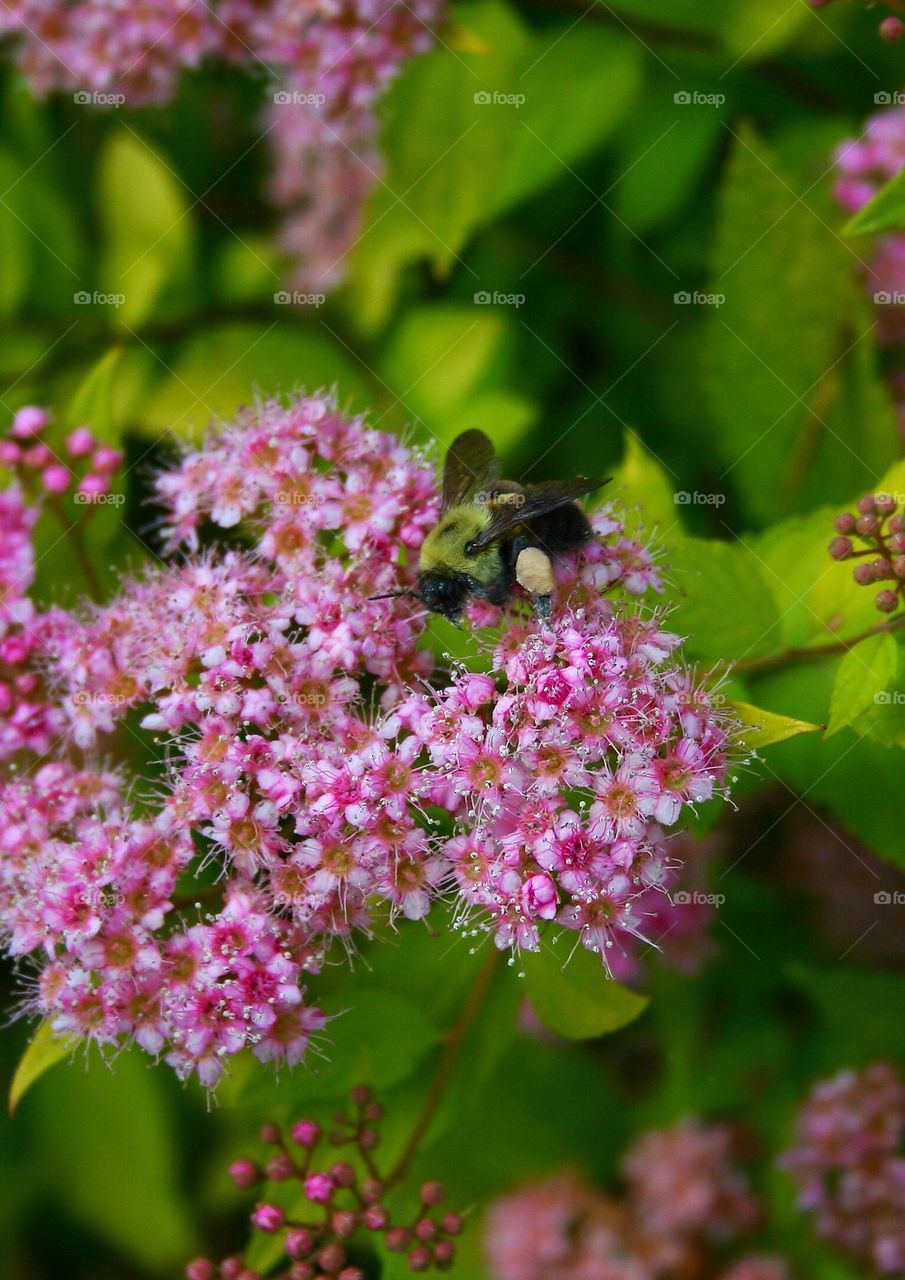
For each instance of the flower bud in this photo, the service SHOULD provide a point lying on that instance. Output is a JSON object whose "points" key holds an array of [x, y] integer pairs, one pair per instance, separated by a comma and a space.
{"points": [[898, 566], [319, 1188], [306, 1133], [342, 1173], [361, 1095], [863, 574], [891, 29], [444, 1252], [80, 442], [369, 1139], [344, 1223], [279, 1167], [55, 479], [425, 1230], [299, 1242], [886, 601], [351, 1273], [897, 524], [332, 1257], [841, 548], [268, 1217], [844, 523], [881, 568], [270, 1133], [867, 526], [398, 1239], [372, 1190], [420, 1259], [200, 1269], [231, 1268], [302, 1271], [433, 1193], [375, 1217], [865, 505], [452, 1224], [29, 421], [244, 1173]]}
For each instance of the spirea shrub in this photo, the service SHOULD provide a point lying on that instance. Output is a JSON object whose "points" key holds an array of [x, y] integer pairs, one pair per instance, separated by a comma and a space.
{"points": [[321, 774], [327, 65]]}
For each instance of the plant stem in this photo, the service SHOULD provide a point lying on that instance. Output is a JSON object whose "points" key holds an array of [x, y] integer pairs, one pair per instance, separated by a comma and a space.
{"points": [[454, 1043], [73, 532], [788, 656]]}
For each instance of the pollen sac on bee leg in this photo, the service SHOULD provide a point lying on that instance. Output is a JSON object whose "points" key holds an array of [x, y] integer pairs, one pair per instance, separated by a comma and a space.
{"points": [[534, 572]]}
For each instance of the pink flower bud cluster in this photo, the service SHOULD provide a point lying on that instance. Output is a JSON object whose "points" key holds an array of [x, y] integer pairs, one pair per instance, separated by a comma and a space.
{"points": [[880, 527], [85, 462], [848, 1163], [343, 1201], [863, 166], [28, 720], [684, 1204], [330, 62], [319, 775]]}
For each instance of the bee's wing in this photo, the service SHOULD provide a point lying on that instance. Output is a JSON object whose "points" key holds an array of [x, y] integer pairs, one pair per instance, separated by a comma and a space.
{"points": [[471, 465], [538, 500]]}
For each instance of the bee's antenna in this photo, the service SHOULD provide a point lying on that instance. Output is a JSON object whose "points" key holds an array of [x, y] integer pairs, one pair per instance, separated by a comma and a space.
{"points": [[394, 595]]}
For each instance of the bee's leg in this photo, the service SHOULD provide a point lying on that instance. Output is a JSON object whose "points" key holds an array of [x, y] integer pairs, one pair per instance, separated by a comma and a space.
{"points": [[534, 572]]}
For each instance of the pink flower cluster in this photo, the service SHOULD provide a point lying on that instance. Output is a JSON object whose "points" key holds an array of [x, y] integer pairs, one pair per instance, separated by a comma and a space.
{"points": [[849, 1167], [37, 465], [330, 61], [318, 773], [685, 1203], [343, 1203]]}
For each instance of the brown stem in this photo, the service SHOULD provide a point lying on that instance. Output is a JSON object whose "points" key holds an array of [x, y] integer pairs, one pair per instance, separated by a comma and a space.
{"points": [[791, 655], [454, 1042]]}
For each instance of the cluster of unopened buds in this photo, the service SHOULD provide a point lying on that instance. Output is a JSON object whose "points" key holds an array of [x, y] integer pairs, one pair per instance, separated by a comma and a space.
{"points": [[891, 28], [847, 1161], [343, 1203], [83, 464], [881, 528]]}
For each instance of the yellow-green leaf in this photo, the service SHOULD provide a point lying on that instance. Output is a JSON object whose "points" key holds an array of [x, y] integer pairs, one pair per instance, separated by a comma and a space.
{"points": [[574, 996], [44, 1050], [764, 728]]}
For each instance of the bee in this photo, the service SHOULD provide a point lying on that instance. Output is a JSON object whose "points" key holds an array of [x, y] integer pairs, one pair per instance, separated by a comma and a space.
{"points": [[494, 533]]}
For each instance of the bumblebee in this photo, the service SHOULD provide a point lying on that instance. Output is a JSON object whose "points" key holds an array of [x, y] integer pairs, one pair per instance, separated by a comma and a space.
{"points": [[494, 533]]}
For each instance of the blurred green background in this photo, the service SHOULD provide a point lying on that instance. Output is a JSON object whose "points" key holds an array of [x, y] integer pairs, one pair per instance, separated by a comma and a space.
{"points": [[636, 269]]}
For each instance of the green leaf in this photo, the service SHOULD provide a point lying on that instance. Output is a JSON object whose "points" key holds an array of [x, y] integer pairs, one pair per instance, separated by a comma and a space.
{"points": [[92, 404], [864, 676], [109, 1150], [14, 247], [885, 212], [44, 1050], [641, 481], [785, 279], [229, 365], [572, 994], [489, 134], [726, 608], [148, 229], [764, 728]]}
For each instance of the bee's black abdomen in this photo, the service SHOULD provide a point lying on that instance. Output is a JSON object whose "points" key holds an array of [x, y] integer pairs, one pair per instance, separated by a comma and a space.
{"points": [[559, 531]]}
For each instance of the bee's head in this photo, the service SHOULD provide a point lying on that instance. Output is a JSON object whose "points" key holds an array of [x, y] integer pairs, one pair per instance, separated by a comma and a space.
{"points": [[443, 593]]}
